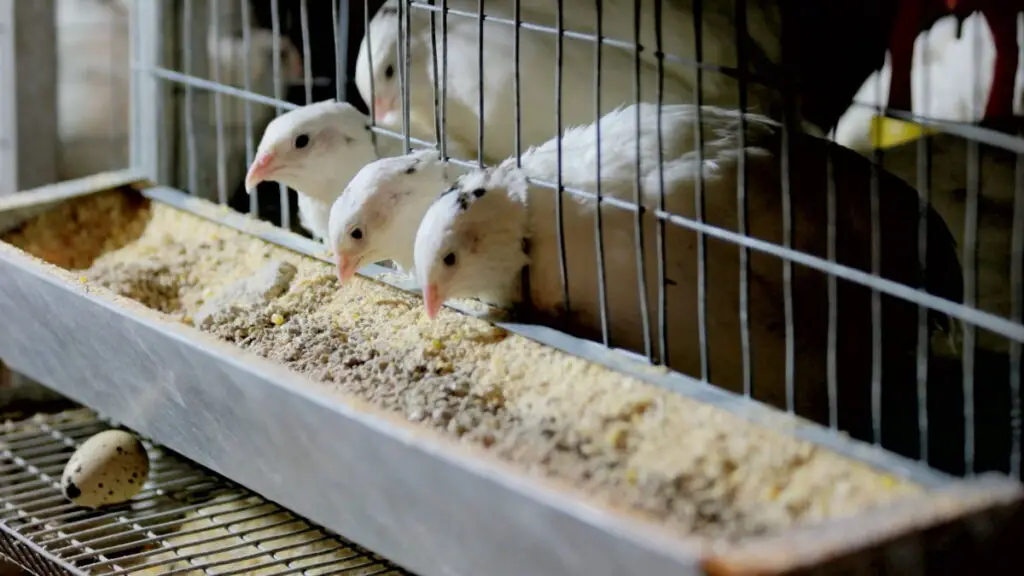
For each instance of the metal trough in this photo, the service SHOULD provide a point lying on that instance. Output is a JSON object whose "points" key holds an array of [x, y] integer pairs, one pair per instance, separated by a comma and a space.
{"points": [[423, 501]]}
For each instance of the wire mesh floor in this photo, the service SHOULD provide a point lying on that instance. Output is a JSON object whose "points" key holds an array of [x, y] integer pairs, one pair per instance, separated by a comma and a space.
{"points": [[186, 520]]}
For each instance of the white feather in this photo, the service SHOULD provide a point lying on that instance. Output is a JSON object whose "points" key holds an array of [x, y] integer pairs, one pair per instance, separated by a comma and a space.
{"points": [[515, 210], [480, 237], [536, 70], [385, 201], [341, 144]]}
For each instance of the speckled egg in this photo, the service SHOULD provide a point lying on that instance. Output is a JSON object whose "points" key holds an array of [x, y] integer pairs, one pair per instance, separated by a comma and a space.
{"points": [[108, 468]]}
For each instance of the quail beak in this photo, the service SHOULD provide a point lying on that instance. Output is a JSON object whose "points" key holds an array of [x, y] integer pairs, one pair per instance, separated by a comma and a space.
{"points": [[382, 108], [432, 301], [347, 267], [260, 170]]}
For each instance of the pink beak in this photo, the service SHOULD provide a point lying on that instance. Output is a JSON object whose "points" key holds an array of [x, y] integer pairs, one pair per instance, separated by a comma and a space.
{"points": [[259, 171], [381, 108], [431, 301], [346, 268]]}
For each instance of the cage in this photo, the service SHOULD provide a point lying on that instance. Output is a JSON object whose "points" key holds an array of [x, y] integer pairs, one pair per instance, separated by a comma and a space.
{"points": [[771, 320]]}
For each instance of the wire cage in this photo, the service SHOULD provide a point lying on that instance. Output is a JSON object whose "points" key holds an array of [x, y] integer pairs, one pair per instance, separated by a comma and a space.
{"points": [[185, 521], [950, 391], [740, 201]]}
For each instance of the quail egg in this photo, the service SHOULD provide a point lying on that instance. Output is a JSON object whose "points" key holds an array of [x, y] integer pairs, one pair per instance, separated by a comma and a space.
{"points": [[108, 468]]}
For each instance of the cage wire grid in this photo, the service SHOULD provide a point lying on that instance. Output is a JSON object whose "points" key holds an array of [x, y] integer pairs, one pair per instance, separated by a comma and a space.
{"points": [[185, 520], [149, 65]]}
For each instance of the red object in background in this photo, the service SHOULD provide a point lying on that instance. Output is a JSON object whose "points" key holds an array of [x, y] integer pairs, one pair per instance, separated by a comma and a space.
{"points": [[915, 16]]}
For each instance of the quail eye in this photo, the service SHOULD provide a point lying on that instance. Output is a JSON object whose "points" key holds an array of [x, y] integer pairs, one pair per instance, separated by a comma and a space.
{"points": [[356, 234], [389, 72], [301, 141], [449, 259]]}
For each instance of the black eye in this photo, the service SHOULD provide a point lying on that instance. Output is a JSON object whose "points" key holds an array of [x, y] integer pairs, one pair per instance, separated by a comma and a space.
{"points": [[479, 192], [449, 259], [389, 72], [356, 234], [302, 140]]}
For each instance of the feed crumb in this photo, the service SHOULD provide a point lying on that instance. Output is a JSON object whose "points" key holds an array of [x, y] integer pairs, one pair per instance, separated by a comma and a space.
{"points": [[672, 460]]}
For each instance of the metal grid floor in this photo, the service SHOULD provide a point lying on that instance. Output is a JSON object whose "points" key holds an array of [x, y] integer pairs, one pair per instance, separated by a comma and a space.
{"points": [[185, 521]]}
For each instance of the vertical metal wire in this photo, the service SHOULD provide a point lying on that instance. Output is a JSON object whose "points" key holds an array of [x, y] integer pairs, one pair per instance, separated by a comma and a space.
{"points": [[924, 160], [435, 85], [787, 228], [250, 144], [970, 264], [831, 368], [480, 80], [641, 266], [698, 191], [741, 198], [876, 328], [339, 13], [218, 106], [1017, 311], [307, 64], [372, 104], [559, 229], [876, 306], [442, 136], [190, 128], [602, 279], [659, 223], [516, 86], [403, 76], [970, 297], [116, 26], [275, 27]]}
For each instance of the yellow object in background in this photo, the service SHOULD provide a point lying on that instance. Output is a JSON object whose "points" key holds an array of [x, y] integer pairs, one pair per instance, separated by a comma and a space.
{"points": [[889, 132]]}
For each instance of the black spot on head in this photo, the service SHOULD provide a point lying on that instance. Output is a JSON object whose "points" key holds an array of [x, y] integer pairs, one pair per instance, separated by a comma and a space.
{"points": [[72, 491], [479, 192], [463, 203], [120, 450], [78, 470]]}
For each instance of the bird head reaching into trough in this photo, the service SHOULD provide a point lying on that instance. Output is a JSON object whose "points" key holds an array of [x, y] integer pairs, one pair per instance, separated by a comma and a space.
{"points": [[470, 241], [314, 149], [377, 216]]}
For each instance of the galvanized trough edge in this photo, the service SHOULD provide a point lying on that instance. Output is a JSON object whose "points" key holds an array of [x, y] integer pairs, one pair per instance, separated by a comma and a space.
{"points": [[620, 361], [421, 501], [409, 494]]}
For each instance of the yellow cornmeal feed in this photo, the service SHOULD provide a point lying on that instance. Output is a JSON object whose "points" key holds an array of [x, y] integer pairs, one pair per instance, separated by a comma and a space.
{"points": [[688, 466]]}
